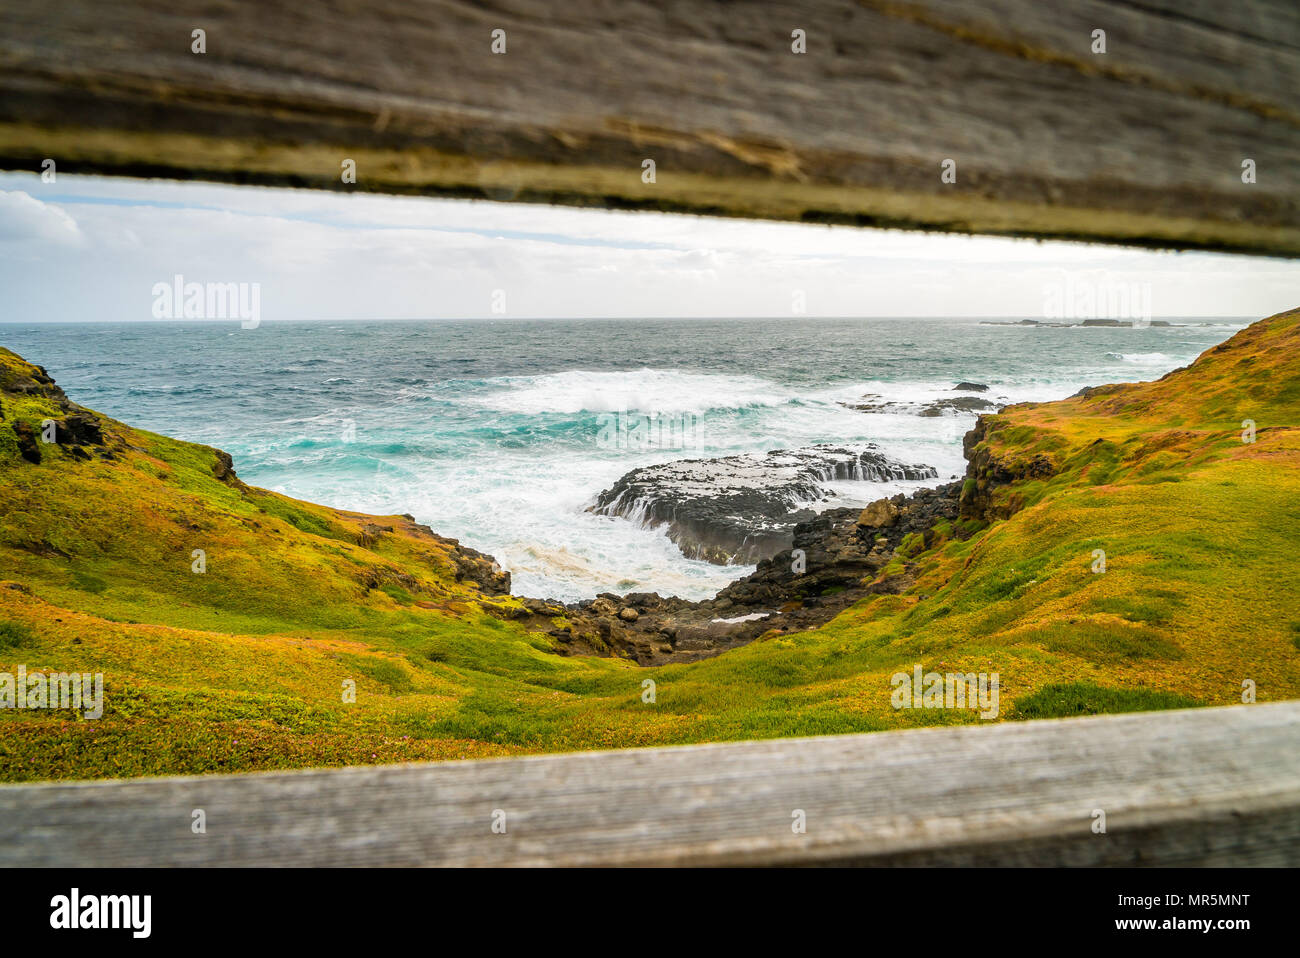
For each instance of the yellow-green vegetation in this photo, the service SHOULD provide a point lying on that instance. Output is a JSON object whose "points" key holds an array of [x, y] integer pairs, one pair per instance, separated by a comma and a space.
{"points": [[243, 666]]}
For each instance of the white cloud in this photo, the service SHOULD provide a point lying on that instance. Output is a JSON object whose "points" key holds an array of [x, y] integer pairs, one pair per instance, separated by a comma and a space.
{"points": [[322, 255], [25, 219]]}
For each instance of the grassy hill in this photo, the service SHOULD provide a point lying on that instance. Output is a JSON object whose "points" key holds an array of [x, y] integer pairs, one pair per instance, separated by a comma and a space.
{"points": [[242, 666]]}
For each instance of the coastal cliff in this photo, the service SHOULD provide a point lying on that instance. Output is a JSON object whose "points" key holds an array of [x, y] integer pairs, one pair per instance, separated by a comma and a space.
{"points": [[1131, 547]]}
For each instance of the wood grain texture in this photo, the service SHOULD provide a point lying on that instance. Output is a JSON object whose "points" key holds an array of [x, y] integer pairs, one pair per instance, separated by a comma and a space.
{"points": [[1142, 145], [1214, 786]]}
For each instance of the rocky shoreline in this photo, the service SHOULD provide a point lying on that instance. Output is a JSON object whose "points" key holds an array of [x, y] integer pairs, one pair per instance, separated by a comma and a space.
{"points": [[833, 559], [738, 510]]}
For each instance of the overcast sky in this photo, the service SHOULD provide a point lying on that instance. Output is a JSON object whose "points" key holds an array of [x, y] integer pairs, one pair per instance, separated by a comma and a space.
{"points": [[87, 248]]}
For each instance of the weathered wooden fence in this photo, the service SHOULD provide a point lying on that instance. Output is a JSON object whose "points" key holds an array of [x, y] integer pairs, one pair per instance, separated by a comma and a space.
{"points": [[1214, 786], [1143, 143]]}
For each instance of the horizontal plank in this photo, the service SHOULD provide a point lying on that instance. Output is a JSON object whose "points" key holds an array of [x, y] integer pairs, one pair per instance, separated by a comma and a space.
{"points": [[1214, 786], [1142, 144]]}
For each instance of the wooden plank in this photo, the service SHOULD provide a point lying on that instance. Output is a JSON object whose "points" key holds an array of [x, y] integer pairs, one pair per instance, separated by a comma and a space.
{"points": [[1141, 145], [1214, 786]]}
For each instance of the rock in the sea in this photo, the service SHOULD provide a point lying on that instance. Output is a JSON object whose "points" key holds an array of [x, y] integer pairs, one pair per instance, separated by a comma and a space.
{"points": [[970, 387], [958, 404], [955, 405], [740, 509]]}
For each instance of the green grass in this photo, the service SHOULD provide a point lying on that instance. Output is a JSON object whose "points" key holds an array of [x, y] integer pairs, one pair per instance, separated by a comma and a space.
{"points": [[242, 667], [1083, 698], [14, 635]]}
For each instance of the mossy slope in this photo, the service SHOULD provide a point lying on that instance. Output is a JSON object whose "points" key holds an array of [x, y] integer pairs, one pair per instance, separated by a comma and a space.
{"points": [[242, 666]]}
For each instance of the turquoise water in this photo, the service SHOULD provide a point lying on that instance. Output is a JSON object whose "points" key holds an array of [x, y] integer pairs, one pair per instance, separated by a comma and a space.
{"points": [[500, 433]]}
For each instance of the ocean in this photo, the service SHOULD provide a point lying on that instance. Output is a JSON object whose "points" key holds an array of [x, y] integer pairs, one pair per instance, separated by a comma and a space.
{"points": [[501, 433]]}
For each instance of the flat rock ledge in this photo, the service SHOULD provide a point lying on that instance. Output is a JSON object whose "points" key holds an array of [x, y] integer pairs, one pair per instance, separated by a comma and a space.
{"points": [[929, 409], [739, 510]]}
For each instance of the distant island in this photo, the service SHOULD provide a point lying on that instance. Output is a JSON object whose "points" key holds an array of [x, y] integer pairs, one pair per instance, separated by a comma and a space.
{"points": [[1109, 323]]}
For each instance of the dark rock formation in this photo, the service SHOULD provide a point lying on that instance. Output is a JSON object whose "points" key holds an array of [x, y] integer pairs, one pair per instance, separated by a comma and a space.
{"points": [[954, 405], [834, 560], [985, 473], [79, 430], [958, 404], [479, 569], [970, 387], [471, 566], [37, 382], [28, 442], [740, 509], [224, 466]]}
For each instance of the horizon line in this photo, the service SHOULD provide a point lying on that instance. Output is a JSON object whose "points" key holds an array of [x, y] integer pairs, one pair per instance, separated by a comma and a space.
{"points": [[1003, 317]]}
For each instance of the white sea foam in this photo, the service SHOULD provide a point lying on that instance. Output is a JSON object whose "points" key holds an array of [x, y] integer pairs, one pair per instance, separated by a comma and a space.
{"points": [[643, 390], [752, 617], [1144, 359]]}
